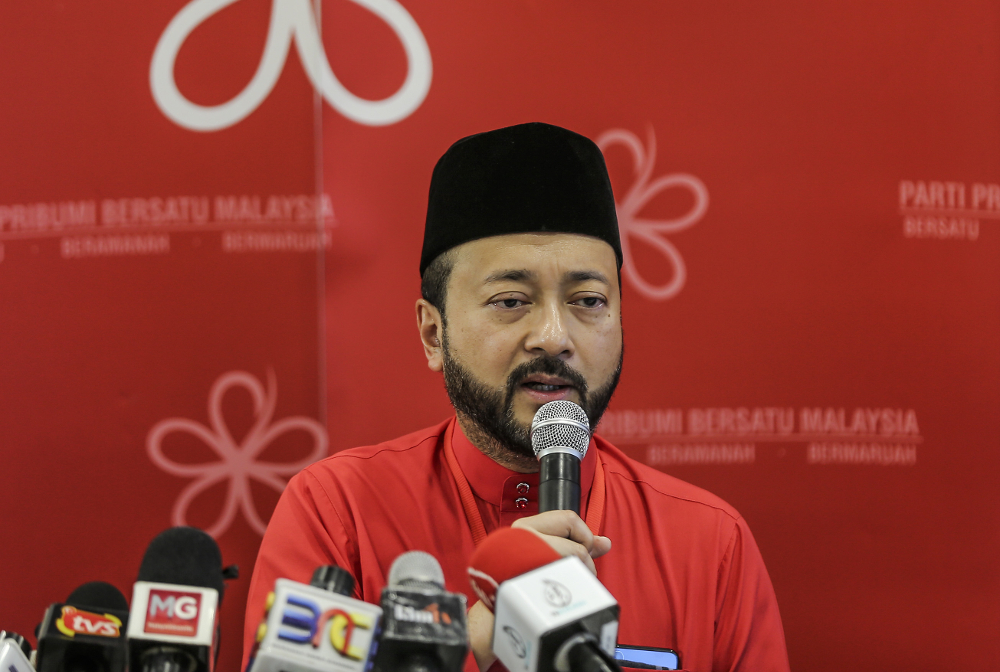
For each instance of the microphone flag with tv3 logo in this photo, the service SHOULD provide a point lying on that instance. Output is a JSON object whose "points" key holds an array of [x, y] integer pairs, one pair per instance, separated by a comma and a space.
{"points": [[560, 436], [175, 602], [423, 626], [86, 633], [315, 628], [14, 653], [551, 613]]}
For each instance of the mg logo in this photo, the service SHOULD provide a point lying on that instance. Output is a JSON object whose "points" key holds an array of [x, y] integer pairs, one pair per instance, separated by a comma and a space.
{"points": [[172, 612]]}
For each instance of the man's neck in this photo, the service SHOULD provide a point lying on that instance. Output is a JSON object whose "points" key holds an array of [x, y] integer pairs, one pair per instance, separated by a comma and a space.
{"points": [[496, 451]]}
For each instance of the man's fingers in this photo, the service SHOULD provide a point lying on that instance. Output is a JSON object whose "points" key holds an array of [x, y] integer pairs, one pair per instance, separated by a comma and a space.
{"points": [[601, 546], [566, 548], [565, 524]]}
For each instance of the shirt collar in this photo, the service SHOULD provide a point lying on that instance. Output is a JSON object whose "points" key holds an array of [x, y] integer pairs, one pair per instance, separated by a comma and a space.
{"points": [[494, 483]]}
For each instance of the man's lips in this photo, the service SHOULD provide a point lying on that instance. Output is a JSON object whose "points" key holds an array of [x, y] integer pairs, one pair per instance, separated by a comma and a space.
{"points": [[543, 383], [543, 389]]}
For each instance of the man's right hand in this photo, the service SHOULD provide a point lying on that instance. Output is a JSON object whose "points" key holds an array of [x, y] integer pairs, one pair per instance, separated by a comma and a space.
{"points": [[568, 535], [566, 532]]}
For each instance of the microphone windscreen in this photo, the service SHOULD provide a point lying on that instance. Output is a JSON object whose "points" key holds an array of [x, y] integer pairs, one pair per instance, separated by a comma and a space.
{"points": [[183, 556], [560, 423], [504, 554], [98, 595], [416, 567]]}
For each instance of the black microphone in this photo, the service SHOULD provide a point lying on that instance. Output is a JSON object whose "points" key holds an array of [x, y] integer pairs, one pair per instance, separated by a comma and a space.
{"points": [[86, 633], [175, 619], [423, 626], [560, 436]]}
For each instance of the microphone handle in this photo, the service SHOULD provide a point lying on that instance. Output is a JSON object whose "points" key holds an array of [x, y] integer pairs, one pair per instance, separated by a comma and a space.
{"points": [[559, 483], [420, 662], [585, 657]]}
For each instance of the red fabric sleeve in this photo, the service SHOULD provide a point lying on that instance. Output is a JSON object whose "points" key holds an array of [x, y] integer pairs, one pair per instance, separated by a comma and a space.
{"points": [[305, 532], [748, 632]]}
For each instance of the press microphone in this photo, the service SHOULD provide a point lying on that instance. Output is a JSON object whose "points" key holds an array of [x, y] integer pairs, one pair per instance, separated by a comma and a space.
{"points": [[316, 627], [175, 601], [560, 436], [85, 633], [14, 653], [551, 613], [424, 626]]}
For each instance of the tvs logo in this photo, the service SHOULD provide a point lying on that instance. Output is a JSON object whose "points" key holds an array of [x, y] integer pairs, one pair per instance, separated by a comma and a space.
{"points": [[304, 622], [172, 612], [239, 461], [652, 231], [516, 642], [290, 19], [557, 594], [78, 622]]}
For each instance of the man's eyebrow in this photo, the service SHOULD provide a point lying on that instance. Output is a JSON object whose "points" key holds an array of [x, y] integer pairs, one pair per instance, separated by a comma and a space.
{"points": [[583, 276], [510, 275]]}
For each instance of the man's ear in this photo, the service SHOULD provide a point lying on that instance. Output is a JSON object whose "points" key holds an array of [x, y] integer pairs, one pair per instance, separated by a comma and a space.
{"points": [[431, 329]]}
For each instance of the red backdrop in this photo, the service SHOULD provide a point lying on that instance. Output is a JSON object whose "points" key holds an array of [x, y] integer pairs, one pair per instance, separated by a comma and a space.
{"points": [[206, 252]]}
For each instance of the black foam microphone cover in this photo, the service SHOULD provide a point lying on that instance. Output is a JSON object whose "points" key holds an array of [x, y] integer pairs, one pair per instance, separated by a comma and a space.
{"points": [[86, 633], [184, 556], [98, 595]]}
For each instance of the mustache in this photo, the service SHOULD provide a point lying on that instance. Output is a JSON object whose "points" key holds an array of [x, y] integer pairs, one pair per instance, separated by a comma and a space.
{"points": [[548, 365]]}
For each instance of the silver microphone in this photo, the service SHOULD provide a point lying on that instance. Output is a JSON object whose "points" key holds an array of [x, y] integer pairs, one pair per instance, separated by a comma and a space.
{"points": [[560, 436]]}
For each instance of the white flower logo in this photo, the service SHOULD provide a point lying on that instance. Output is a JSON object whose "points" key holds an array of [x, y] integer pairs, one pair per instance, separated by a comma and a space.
{"points": [[290, 19], [238, 463], [651, 230]]}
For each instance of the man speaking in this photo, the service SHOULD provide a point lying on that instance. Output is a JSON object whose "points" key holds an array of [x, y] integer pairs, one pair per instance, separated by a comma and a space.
{"points": [[522, 306]]}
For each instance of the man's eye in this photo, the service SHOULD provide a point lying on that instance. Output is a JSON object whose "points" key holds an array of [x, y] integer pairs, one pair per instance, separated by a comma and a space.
{"points": [[590, 301], [510, 303]]}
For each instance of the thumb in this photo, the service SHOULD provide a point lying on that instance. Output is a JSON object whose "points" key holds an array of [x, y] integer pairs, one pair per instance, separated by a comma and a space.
{"points": [[601, 546]]}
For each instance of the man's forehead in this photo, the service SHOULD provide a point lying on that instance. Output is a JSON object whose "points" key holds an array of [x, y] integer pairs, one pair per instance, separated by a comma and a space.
{"points": [[532, 252]]}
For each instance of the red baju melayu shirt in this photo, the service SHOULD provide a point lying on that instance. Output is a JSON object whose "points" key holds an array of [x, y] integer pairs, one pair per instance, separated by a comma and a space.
{"points": [[683, 564]]}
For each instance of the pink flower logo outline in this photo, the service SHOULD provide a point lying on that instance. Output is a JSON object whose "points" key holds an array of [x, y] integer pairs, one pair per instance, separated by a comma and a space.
{"points": [[650, 230], [238, 462]]}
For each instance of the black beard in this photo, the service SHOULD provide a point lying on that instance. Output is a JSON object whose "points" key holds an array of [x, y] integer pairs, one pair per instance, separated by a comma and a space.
{"points": [[491, 410]]}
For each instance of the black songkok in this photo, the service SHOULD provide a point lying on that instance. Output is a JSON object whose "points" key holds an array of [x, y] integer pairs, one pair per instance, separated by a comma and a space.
{"points": [[520, 179]]}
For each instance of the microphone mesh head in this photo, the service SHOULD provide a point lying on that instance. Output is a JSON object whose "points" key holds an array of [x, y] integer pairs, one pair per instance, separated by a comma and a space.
{"points": [[560, 423], [415, 567]]}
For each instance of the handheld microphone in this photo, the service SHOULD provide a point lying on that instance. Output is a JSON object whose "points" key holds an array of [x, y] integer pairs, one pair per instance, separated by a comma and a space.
{"points": [[424, 626], [560, 436], [84, 634], [315, 628], [174, 625], [552, 614], [14, 652]]}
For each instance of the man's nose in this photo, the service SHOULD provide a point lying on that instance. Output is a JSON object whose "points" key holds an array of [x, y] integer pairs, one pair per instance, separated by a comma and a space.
{"points": [[550, 334]]}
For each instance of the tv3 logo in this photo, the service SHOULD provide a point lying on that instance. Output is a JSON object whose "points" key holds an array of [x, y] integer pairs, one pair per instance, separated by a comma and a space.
{"points": [[304, 622], [75, 621], [172, 612]]}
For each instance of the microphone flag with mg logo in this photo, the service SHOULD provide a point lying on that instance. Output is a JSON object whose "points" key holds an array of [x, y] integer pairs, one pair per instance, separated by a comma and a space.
{"points": [[175, 604]]}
